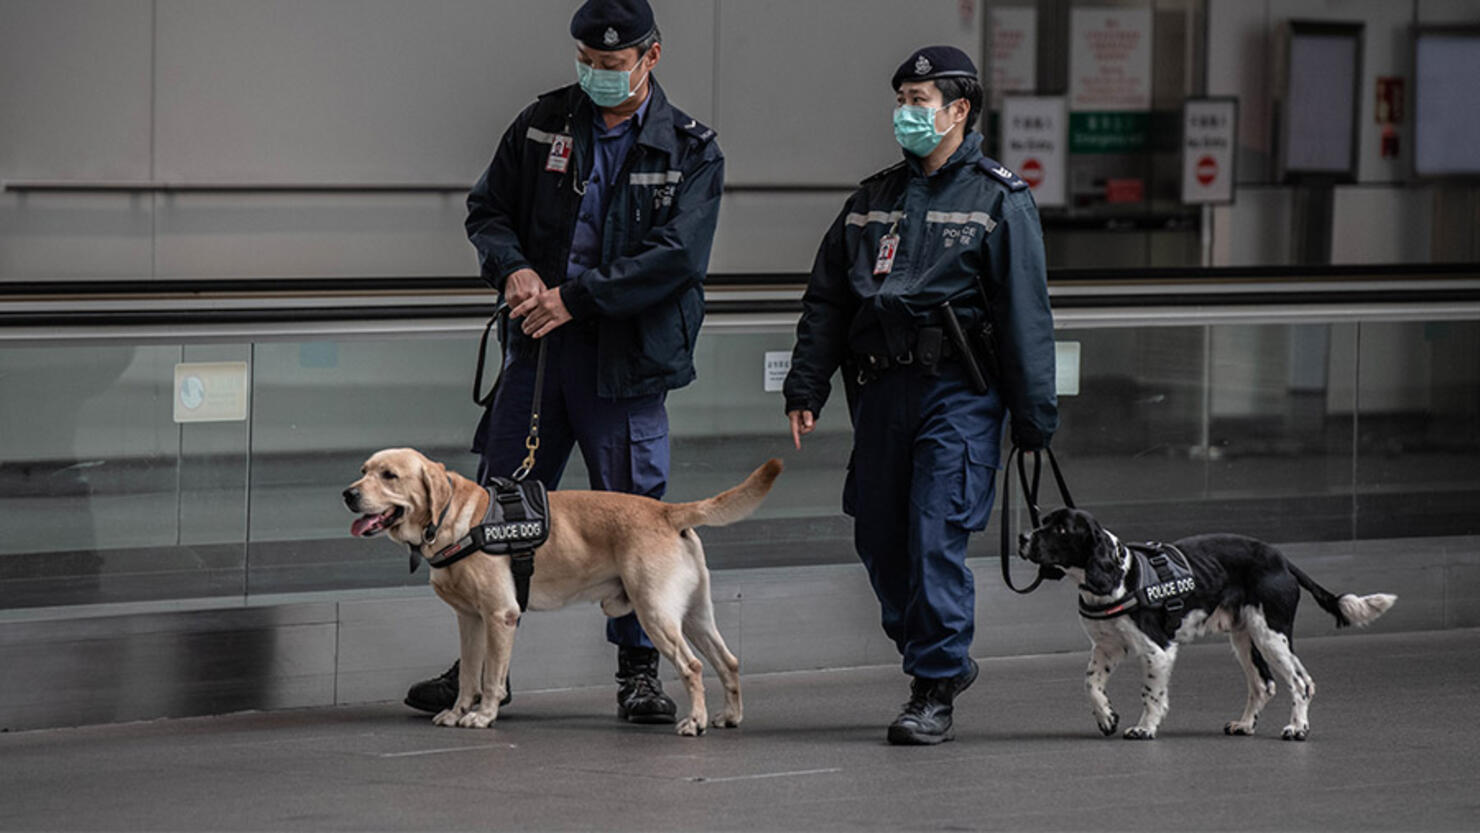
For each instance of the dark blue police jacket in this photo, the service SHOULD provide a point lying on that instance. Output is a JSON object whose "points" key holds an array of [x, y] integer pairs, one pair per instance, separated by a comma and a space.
{"points": [[971, 217], [646, 299]]}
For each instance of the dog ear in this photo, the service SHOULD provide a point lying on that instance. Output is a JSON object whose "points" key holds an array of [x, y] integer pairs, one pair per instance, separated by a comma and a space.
{"points": [[439, 495], [1102, 571]]}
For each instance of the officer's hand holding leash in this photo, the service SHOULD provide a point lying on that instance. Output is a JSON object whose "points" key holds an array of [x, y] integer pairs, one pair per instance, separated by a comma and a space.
{"points": [[542, 313], [521, 285], [802, 424]]}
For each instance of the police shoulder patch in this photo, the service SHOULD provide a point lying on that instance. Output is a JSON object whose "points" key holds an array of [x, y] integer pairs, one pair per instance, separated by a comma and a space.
{"points": [[878, 175], [692, 126], [999, 172]]}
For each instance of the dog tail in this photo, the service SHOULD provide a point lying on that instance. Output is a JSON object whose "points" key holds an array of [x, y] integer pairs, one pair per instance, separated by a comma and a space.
{"points": [[1349, 609], [729, 506]]}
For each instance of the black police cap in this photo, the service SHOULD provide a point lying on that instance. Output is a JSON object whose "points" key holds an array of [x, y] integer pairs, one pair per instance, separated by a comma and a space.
{"points": [[933, 62], [610, 25]]}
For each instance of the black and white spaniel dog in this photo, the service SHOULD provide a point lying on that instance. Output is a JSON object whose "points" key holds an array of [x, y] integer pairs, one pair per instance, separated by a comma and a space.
{"points": [[1224, 584]]}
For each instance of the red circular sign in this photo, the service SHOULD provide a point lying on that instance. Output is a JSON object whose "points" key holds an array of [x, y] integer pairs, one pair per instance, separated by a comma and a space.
{"points": [[1031, 172], [1207, 170]]}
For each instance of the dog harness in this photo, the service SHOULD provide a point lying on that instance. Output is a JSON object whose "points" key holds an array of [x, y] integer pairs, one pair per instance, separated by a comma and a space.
{"points": [[1158, 578], [516, 523]]}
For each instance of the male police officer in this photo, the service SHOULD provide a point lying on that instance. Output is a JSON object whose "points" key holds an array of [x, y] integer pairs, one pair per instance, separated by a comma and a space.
{"points": [[893, 295], [595, 220]]}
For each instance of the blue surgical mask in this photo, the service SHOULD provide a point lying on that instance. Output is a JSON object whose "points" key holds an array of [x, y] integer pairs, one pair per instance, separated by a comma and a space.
{"points": [[605, 87], [914, 129]]}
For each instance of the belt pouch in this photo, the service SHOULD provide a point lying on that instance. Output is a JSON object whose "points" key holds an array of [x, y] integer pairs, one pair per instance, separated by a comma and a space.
{"points": [[927, 350]]}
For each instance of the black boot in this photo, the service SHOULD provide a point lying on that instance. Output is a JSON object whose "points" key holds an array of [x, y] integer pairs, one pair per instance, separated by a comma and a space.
{"points": [[926, 718], [439, 693], [640, 697]]}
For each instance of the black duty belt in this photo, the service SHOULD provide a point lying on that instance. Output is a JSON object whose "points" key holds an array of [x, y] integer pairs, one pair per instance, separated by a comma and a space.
{"points": [[1159, 577], [516, 523], [929, 350]]}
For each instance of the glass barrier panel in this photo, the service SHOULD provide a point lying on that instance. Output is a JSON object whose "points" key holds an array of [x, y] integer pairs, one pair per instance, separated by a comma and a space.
{"points": [[104, 497], [1302, 432], [1181, 430], [320, 409], [1418, 430]]}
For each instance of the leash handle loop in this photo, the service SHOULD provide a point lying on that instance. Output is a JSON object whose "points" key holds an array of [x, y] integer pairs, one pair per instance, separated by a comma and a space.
{"points": [[1030, 497], [480, 399]]}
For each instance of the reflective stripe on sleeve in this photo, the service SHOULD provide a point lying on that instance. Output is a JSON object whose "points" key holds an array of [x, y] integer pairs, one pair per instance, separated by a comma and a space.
{"points": [[857, 219], [656, 178]]}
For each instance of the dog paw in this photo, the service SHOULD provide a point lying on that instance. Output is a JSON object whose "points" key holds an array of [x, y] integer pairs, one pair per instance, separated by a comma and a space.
{"points": [[447, 717], [1138, 733], [689, 727], [727, 721], [1237, 727], [1293, 732], [1109, 724], [477, 720]]}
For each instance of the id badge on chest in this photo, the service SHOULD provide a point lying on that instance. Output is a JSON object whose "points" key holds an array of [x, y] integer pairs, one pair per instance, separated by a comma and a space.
{"points": [[559, 158], [888, 248]]}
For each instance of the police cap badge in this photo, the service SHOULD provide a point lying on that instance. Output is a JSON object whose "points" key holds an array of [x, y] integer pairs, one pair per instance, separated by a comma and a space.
{"points": [[610, 25], [932, 62]]}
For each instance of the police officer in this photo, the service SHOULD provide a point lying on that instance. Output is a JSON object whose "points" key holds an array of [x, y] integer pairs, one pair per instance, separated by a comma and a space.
{"points": [[946, 233], [595, 221]]}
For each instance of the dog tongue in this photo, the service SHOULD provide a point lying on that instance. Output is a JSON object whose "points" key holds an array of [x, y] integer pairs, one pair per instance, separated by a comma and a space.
{"points": [[369, 524]]}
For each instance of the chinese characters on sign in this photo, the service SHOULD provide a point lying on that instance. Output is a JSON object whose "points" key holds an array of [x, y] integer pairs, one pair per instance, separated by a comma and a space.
{"points": [[1033, 145], [1109, 79], [1014, 52], [1209, 128]]}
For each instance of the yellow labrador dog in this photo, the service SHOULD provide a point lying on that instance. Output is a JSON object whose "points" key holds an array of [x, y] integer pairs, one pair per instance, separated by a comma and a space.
{"points": [[625, 551]]}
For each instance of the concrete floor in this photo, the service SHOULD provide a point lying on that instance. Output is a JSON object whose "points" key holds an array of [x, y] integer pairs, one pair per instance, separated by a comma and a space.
{"points": [[1395, 745]]}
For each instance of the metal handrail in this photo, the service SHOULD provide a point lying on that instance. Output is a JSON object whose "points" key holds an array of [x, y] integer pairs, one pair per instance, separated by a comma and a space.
{"points": [[91, 186], [215, 308]]}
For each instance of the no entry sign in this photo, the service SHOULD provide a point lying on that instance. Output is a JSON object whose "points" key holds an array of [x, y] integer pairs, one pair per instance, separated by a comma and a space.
{"points": [[1033, 145], [1207, 170], [1031, 171], [1209, 142]]}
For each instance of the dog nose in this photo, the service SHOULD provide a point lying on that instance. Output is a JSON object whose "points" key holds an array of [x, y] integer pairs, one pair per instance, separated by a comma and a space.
{"points": [[352, 499]]}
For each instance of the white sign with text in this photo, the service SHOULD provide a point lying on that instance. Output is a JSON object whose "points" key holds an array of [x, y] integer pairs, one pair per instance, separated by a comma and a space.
{"points": [[1109, 59], [1034, 145], [210, 392], [1014, 53], [778, 364], [1209, 142]]}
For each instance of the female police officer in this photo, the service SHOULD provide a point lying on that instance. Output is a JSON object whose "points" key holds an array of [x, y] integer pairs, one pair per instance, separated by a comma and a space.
{"points": [[930, 263]]}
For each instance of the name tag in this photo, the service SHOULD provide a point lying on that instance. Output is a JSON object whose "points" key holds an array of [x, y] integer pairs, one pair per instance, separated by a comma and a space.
{"points": [[888, 247], [559, 158]]}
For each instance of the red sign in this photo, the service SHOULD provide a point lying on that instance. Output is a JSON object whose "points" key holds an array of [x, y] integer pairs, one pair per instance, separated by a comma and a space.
{"points": [[1207, 170], [1124, 190], [1389, 109], [1031, 171]]}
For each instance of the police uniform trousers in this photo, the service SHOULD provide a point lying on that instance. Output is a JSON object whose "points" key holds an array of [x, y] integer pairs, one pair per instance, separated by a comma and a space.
{"points": [[623, 441], [921, 479]]}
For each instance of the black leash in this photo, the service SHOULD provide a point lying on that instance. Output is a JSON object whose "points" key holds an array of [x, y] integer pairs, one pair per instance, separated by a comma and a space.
{"points": [[500, 311], [1030, 495], [522, 508], [532, 440]]}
